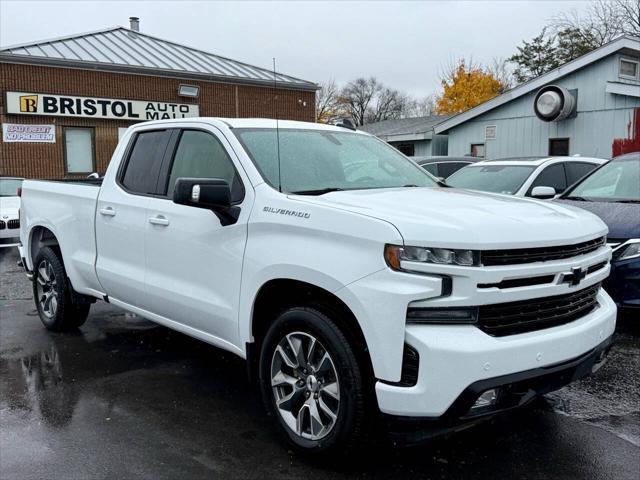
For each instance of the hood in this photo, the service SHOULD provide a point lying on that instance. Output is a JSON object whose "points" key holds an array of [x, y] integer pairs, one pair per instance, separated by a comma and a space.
{"points": [[623, 219], [9, 205], [448, 217]]}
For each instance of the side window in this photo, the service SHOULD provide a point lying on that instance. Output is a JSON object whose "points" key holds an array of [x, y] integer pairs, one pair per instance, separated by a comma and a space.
{"points": [[552, 176], [432, 168], [201, 155], [577, 170], [143, 165], [449, 168]]}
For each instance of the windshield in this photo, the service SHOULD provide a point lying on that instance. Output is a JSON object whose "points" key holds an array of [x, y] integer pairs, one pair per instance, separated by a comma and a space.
{"points": [[9, 187], [316, 161], [491, 178], [617, 181]]}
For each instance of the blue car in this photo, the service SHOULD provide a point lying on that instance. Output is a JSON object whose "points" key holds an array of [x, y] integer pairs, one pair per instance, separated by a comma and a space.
{"points": [[612, 192]]}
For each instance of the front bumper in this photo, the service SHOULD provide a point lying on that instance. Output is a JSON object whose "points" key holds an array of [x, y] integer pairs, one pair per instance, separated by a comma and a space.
{"points": [[454, 357], [9, 231], [623, 283], [514, 390]]}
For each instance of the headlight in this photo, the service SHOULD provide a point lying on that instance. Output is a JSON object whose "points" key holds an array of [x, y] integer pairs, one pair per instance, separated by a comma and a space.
{"points": [[394, 254], [629, 249]]}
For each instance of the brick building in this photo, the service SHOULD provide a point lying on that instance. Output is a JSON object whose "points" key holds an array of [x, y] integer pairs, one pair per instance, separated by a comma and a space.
{"points": [[65, 102]]}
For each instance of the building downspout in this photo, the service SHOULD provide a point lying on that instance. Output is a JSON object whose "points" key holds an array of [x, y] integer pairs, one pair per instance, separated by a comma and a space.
{"points": [[237, 104]]}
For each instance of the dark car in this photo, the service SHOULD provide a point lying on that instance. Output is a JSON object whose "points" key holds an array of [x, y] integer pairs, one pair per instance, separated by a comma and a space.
{"points": [[612, 192], [443, 166]]}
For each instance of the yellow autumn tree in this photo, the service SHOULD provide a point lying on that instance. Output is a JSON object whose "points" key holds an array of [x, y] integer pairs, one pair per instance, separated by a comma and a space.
{"points": [[466, 87]]}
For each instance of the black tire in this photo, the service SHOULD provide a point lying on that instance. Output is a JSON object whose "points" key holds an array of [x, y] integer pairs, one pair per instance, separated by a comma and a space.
{"points": [[350, 429], [53, 294]]}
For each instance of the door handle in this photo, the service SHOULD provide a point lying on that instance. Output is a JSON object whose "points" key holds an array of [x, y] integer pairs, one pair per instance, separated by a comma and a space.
{"points": [[108, 211], [159, 220]]}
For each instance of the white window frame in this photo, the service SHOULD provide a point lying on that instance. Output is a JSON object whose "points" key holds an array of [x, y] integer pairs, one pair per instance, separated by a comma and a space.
{"points": [[488, 128], [629, 60]]}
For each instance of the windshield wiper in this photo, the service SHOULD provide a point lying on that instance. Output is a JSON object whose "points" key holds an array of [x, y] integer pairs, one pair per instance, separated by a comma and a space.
{"points": [[627, 201], [319, 191], [579, 199]]}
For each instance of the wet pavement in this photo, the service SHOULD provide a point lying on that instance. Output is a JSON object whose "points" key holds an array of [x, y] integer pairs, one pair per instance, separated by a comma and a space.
{"points": [[125, 398]]}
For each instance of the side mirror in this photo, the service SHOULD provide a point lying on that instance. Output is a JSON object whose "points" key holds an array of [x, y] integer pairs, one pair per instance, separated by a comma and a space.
{"points": [[209, 193], [543, 192]]}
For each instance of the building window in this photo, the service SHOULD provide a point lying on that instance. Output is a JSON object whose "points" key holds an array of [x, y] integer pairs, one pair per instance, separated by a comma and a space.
{"points": [[558, 147], [477, 150], [79, 152], [409, 149], [490, 132], [629, 68]]}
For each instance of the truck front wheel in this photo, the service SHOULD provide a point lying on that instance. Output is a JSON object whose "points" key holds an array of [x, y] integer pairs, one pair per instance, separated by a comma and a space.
{"points": [[312, 383], [53, 295]]}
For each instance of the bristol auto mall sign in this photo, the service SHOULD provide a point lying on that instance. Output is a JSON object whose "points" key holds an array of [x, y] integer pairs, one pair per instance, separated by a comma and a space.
{"points": [[24, 103]]}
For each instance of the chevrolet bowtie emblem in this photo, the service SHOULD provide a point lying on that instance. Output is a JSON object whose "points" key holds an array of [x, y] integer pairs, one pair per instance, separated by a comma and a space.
{"points": [[575, 277]]}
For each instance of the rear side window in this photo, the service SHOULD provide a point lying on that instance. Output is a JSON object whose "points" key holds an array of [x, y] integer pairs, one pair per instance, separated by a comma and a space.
{"points": [[448, 168], [432, 168], [201, 155], [577, 170], [141, 172], [552, 176]]}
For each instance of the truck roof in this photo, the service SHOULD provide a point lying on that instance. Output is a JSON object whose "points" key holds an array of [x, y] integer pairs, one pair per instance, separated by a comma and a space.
{"points": [[535, 161], [258, 123]]}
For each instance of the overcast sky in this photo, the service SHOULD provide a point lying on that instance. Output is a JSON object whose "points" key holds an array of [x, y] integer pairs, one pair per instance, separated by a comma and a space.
{"points": [[404, 44]]}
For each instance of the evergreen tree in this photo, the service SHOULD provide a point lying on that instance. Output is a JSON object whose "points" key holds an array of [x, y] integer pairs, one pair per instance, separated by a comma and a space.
{"points": [[535, 57]]}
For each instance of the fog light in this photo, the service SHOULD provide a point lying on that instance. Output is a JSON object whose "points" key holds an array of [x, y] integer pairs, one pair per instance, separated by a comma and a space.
{"points": [[487, 399]]}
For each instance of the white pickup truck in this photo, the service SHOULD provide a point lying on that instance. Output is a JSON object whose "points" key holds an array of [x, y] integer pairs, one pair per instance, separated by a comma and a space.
{"points": [[360, 290]]}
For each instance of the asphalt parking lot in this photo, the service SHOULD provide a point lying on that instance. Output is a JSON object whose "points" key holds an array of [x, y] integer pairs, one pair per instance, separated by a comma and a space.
{"points": [[125, 398]]}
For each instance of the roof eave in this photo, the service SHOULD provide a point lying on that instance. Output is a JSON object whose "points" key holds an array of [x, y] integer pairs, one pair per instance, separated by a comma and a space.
{"points": [[614, 46], [115, 68], [405, 137]]}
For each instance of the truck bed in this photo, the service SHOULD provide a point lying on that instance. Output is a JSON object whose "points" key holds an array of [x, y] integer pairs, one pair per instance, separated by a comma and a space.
{"points": [[67, 209], [77, 181]]}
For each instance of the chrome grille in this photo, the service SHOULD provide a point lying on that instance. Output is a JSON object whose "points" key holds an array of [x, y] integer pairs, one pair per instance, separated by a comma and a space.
{"points": [[540, 254]]}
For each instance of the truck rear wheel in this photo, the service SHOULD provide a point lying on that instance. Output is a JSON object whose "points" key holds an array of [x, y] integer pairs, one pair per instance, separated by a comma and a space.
{"points": [[312, 384], [53, 294]]}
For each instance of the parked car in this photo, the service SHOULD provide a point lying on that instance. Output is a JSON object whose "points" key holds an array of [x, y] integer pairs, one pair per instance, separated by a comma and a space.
{"points": [[9, 211], [539, 177], [352, 282], [613, 193], [443, 167]]}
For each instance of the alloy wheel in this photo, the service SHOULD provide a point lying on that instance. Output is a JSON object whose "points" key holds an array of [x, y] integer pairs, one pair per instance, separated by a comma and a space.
{"points": [[305, 385], [46, 288]]}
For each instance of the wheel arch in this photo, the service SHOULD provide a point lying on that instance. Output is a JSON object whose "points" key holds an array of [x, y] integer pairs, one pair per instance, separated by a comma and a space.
{"points": [[277, 295], [39, 237]]}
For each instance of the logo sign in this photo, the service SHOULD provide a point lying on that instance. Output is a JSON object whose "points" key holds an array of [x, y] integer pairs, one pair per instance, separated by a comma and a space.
{"points": [[575, 277], [101, 108], [12, 132]]}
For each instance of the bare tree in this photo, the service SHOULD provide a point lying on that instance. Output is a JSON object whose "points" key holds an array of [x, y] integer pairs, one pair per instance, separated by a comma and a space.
{"points": [[501, 70], [601, 22], [357, 97], [389, 103], [422, 107], [628, 12], [328, 106]]}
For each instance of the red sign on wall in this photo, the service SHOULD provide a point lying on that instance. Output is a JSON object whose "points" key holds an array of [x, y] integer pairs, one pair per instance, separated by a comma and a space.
{"points": [[630, 144]]}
